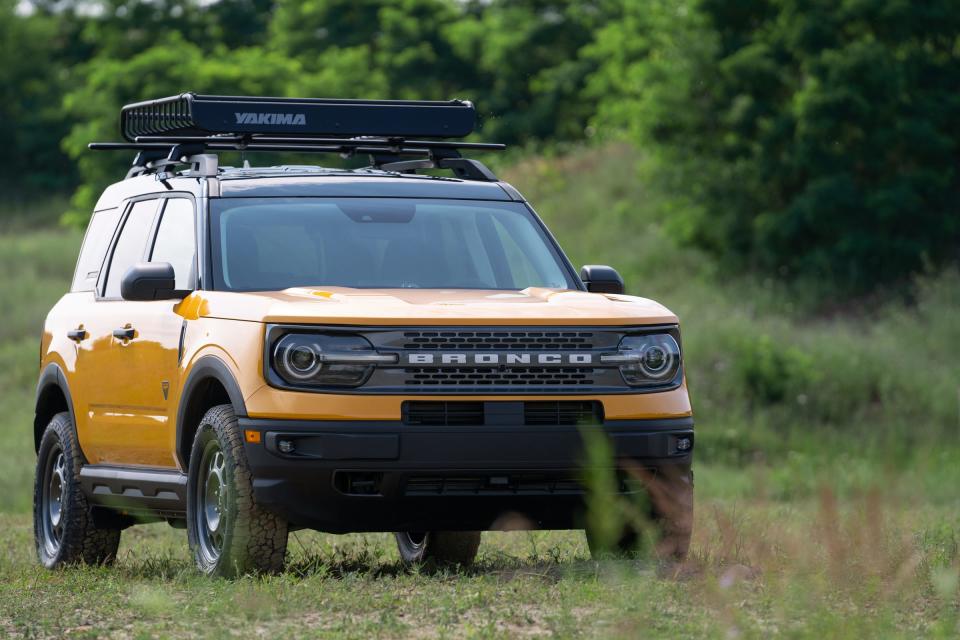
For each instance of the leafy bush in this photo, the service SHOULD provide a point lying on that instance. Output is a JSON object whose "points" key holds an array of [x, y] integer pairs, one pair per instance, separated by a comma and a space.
{"points": [[768, 370]]}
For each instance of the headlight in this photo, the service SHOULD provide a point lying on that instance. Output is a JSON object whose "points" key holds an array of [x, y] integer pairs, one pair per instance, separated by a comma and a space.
{"points": [[323, 360], [647, 360]]}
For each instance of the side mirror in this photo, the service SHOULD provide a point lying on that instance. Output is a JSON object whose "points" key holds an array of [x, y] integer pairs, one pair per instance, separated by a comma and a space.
{"points": [[601, 279], [150, 281]]}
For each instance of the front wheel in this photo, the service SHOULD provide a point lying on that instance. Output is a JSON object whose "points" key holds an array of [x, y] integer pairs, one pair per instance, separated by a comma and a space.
{"points": [[438, 547], [229, 533], [63, 526]]}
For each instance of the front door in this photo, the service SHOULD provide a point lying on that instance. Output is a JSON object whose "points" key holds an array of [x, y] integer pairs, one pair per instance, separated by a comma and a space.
{"points": [[135, 363]]}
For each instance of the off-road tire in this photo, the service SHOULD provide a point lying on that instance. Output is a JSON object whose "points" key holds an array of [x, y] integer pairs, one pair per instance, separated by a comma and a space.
{"points": [[251, 539], [63, 526], [671, 514], [439, 548]]}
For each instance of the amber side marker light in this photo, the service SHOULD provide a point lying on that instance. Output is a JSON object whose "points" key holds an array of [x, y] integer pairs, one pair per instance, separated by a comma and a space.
{"points": [[252, 436]]}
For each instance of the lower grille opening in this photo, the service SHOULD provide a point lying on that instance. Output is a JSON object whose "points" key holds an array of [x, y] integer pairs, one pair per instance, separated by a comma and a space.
{"points": [[442, 414], [562, 412], [532, 413]]}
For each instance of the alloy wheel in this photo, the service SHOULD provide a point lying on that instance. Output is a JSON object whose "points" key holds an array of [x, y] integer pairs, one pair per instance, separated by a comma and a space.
{"points": [[55, 482], [211, 512]]}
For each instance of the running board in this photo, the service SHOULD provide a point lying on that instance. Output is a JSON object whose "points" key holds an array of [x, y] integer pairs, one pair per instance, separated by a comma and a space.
{"points": [[127, 490]]}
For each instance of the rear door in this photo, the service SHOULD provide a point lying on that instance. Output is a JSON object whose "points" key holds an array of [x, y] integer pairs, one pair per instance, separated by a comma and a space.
{"points": [[71, 321]]}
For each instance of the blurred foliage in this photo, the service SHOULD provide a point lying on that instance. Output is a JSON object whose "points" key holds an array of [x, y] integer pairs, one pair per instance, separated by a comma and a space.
{"points": [[804, 140], [813, 138]]}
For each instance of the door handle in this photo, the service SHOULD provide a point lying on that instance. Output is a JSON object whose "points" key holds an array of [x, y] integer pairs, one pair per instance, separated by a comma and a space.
{"points": [[126, 333], [77, 334]]}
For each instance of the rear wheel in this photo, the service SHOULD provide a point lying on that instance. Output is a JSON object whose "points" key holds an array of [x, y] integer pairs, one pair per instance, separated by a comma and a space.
{"points": [[63, 526], [229, 533], [438, 547]]}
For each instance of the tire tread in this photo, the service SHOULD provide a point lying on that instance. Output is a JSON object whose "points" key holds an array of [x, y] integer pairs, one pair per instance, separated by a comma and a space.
{"points": [[82, 541]]}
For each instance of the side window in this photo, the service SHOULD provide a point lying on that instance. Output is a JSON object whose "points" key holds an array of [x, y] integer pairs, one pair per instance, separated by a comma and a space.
{"points": [[95, 245], [130, 245], [175, 241]]}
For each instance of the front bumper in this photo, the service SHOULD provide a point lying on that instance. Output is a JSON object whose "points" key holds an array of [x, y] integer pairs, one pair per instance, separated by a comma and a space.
{"points": [[345, 476]]}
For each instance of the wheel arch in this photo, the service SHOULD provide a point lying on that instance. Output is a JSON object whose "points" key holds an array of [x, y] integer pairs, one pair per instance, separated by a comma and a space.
{"points": [[53, 397], [209, 383]]}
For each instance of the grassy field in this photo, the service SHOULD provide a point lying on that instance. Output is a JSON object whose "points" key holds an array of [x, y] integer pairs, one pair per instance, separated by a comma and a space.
{"points": [[827, 471]]}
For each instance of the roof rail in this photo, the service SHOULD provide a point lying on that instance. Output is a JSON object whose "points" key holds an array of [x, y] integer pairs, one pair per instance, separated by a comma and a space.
{"points": [[173, 130]]}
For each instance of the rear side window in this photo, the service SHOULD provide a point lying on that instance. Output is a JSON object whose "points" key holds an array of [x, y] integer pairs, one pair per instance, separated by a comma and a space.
{"points": [[175, 241], [131, 245], [95, 245]]}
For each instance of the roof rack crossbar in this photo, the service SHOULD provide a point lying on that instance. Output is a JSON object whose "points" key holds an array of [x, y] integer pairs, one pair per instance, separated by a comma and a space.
{"points": [[293, 148], [358, 141]]}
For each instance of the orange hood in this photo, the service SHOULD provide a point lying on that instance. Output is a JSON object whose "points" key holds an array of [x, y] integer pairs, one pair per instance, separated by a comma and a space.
{"points": [[340, 305]]}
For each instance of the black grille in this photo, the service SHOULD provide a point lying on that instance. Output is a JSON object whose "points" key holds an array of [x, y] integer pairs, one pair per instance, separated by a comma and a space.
{"points": [[510, 340], [514, 376], [443, 413], [497, 360], [562, 412]]}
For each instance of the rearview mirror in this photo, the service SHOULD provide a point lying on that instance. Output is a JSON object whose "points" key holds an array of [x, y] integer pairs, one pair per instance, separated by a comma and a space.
{"points": [[150, 281], [600, 278]]}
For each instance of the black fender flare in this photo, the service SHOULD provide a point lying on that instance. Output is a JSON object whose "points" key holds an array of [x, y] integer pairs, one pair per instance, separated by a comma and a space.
{"points": [[206, 368], [51, 377]]}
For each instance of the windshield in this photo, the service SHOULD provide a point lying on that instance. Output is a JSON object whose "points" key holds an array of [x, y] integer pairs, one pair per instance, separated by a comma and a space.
{"points": [[264, 244]]}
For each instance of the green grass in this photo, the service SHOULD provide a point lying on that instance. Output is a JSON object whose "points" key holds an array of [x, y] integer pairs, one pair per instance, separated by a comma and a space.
{"points": [[800, 569], [827, 468], [38, 264]]}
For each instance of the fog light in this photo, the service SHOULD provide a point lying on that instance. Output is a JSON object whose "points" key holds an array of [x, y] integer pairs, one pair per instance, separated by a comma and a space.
{"points": [[684, 444], [285, 446]]}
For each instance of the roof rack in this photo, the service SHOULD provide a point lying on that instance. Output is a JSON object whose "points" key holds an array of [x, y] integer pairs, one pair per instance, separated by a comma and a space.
{"points": [[176, 130], [194, 114]]}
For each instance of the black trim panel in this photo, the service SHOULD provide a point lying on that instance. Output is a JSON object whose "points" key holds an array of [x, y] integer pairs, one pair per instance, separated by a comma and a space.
{"points": [[135, 490], [51, 376], [343, 476], [206, 368]]}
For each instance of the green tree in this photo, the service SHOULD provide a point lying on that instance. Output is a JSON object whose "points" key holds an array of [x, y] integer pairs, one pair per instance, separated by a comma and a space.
{"points": [[166, 69], [818, 139], [31, 122], [529, 72]]}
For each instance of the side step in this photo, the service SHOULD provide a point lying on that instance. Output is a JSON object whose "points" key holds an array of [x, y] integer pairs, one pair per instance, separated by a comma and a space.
{"points": [[135, 491]]}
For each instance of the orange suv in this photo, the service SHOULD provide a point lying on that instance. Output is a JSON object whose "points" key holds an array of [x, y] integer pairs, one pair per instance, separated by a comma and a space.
{"points": [[244, 351]]}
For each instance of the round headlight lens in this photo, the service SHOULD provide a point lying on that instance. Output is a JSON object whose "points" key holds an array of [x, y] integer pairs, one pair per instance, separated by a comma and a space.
{"points": [[299, 360], [302, 358], [655, 359]]}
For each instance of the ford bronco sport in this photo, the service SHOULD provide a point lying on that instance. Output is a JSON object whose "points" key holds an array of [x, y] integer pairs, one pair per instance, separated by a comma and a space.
{"points": [[246, 351]]}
